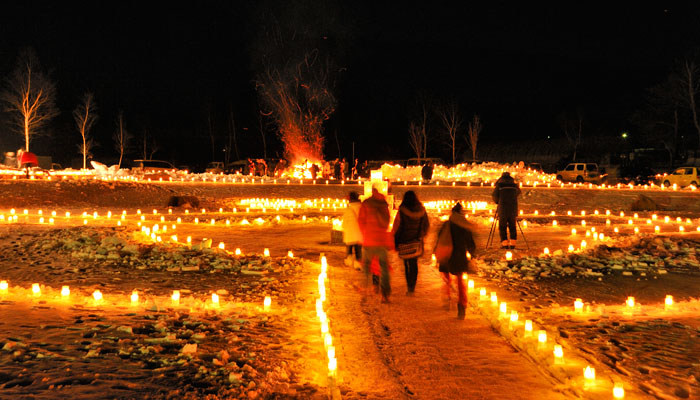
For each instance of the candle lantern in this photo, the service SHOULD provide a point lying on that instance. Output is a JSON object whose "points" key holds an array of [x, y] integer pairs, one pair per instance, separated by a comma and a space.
{"points": [[618, 391], [175, 297], [267, 303], [134, 297], [65, 291], [630, 302], [558, 354], [578, 305], [36, 289]]}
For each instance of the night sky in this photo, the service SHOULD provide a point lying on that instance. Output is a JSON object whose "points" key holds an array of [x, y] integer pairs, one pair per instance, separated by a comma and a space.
{"points": [[518, 67]]}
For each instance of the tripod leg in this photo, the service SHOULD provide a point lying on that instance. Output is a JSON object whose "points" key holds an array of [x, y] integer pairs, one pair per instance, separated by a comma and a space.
{"points": [[492, 231], [522, 234]]}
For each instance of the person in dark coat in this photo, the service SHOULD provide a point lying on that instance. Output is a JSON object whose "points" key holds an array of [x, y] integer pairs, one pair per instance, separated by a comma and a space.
{"points": [[336, 169], [505, 194], [427, 172], [463, 249], [410, 225]]}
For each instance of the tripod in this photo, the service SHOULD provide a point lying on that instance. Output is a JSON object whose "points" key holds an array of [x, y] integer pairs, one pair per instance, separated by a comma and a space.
{"points": [[489, 241]]}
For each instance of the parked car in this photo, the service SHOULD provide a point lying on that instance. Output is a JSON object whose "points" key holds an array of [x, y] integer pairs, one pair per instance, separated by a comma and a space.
{"points": [[637, 175], [152, 166], [683, 176], [581, 172], [215, 167]]}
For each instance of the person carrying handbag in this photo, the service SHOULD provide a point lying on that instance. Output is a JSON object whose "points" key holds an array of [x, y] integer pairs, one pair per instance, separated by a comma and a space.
{"points": [[410, 227], [454, 249]]}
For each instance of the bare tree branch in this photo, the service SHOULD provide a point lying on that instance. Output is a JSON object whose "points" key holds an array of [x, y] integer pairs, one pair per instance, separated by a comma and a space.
{"points": [[29, 96], [121, 137], [85, 116], [473, 131], [451, 124]]}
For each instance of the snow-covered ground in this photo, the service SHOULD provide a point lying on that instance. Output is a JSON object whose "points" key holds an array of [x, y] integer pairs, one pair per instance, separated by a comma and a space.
{"points": [[58, 347]]}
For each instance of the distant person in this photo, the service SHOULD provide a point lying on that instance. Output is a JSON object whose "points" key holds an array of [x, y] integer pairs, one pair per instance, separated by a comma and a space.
{"points": [[364, 170], [459, 233], [345, 169], [427, 171], [314, 170], [355, 170], [326, 170], [410, 227], [505, 194], [336, 169], [374, 221], [352, 236], [251, 167]]}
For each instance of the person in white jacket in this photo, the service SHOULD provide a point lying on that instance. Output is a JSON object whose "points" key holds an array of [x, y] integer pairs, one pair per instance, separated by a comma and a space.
{"points": [[352, 236]]}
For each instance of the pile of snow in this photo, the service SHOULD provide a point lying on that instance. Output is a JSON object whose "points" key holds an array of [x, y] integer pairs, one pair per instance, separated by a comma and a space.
{"points": [[648, 255], [477, 173]]}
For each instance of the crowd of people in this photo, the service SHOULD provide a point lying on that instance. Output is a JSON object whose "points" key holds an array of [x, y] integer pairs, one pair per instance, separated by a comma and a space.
{"points": [[368, 239]]}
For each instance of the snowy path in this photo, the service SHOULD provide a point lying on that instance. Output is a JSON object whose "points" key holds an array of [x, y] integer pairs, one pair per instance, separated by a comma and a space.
{"points": [[418, 349]]}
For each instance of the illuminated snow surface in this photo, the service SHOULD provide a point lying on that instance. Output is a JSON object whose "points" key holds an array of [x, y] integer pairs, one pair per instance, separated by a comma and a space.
{"points": [[56, 347]]}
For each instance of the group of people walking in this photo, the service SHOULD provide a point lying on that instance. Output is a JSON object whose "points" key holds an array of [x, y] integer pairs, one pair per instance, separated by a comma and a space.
{"points": [[368, 239]]}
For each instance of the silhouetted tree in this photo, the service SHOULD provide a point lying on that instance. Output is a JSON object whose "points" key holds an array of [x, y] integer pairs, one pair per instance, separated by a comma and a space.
{"points": [[29, 96], [473, 131], [451, 124], [296, 75], [85, 116], [572, 125], [121, 137]]}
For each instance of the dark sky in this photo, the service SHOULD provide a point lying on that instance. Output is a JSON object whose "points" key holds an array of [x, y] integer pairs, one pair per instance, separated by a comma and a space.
{"points": [[518, 67]]}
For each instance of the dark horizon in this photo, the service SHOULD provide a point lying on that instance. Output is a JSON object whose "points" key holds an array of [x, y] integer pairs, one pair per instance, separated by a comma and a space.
{"points": [[517, 67]]}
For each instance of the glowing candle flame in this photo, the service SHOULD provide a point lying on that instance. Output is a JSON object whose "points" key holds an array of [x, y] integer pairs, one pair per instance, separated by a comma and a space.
{"points": [[558, 352], [470, 285], [65, 291], [503, 307], [494, 298], [222, 245], [237, 252], [578, 305], [542, 337], [630, 302], [509, 256], [669, 300], [528, 327], [134, 297], [618, 391], [513, 316], [215, 299], [266, 252], [267, 303], [97, 295], [175, 296], [36, 289], [290, 254], [545, 251], [589, 374], [3, 286]]}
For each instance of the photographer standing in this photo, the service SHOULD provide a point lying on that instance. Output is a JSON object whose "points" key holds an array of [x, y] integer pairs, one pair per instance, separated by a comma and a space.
{"points": [[505, 194]]}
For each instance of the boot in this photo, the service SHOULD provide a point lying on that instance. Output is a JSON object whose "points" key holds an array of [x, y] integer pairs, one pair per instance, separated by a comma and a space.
{"points": [[357, 265], [512, 243], [505, 244], [461, 312]]}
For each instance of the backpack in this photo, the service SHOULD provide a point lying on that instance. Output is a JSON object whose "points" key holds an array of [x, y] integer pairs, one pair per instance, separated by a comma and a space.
{"points": [[443, 246]]}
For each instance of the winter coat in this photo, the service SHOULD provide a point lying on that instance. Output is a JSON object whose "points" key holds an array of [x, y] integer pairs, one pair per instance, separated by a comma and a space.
{"points": [[410, 226], [351, 227], [374, 221], [462, 242], [427, 172], [505, 194]]}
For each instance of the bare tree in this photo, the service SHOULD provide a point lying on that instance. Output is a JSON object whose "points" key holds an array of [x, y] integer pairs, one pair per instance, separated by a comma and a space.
{"points": [[473, 131], [149, 149], [121, 137], [232, 143], [416, 138], [261, 128], [687, 78], [210, 131], [85, 116], [573, 129], [29, 96], [451, 123]]}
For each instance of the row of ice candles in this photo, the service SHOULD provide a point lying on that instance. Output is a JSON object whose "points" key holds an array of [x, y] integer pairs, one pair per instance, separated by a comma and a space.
{"points": [[323, 318], [134, 297], [630, 303], [513, 318]]}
